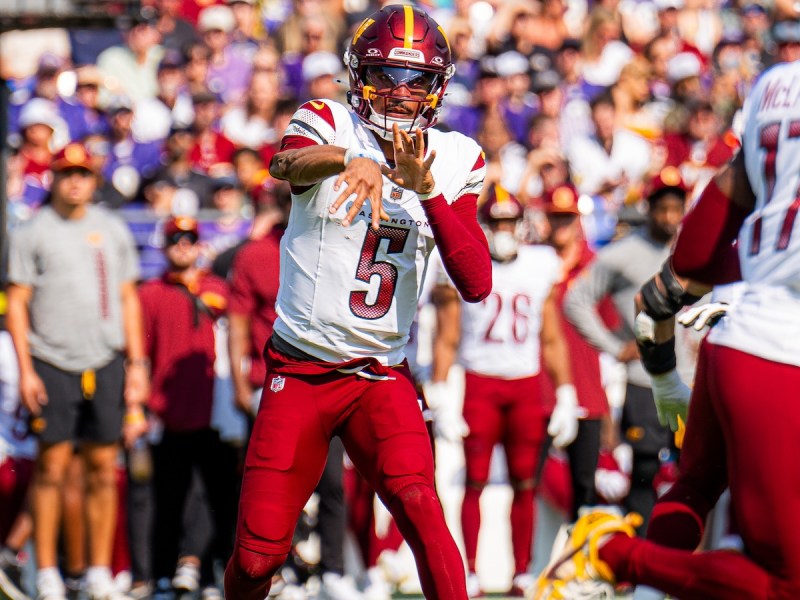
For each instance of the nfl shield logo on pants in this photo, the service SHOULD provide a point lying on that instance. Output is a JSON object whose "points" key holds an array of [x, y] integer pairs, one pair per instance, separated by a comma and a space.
{"points": [[277, 383]]}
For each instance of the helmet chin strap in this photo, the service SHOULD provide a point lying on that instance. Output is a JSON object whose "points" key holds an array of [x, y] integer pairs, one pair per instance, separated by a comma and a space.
{"points": [[383, 124]]}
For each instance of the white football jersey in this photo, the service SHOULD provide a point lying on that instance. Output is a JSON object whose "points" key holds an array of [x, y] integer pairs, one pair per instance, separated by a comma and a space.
{"points": [[500, 336], [14, 438], [351, 292], [765, 321]]}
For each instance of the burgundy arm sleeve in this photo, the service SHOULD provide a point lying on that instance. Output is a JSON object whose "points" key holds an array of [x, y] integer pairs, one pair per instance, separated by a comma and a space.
{"points": [[705, 250], [462, 244]]}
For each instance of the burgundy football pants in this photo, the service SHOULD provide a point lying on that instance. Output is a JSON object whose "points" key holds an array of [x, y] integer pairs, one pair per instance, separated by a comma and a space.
{"points": [[507, 411], [744, 432], [381, 426]]}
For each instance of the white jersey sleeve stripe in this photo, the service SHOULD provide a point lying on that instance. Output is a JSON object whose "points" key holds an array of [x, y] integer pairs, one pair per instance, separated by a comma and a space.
{"points": [[306, 123]]}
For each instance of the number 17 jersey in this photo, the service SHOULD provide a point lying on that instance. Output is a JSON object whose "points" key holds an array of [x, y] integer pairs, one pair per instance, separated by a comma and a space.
{"points": [[765, 321], [351, 292]]}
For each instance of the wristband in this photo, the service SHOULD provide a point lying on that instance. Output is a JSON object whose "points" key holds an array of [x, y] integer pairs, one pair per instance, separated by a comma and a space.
{"points": [[432, 194], [138, 362], [135, 416], [373, 155], [661, 306], [658, 358]]}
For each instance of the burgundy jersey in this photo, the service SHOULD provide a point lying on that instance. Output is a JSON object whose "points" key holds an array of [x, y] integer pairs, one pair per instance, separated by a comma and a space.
{"points": [[254, 291], [179, 340]]}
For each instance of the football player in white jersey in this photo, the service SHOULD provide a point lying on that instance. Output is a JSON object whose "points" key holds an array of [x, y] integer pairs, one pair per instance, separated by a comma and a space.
{"points": [[502, 343], [373, 190], [743, 428]]}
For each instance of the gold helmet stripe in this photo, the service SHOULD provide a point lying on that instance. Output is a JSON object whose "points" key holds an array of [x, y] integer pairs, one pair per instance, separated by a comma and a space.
{"points": [[444, 35], [362, 28], [408, 38]]}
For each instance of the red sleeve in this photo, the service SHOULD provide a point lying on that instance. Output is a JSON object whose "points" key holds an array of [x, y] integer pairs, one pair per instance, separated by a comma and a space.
{"points": [[147, 319], [462, 244], [704, 250], [242, 296]]}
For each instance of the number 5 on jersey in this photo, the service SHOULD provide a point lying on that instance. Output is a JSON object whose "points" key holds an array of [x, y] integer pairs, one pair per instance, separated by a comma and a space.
{"points": [[369, 266]]}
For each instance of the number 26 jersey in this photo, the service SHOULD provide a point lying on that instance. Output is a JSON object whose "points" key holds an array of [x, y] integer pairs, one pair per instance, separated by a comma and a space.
{"points": [[351, 292]]}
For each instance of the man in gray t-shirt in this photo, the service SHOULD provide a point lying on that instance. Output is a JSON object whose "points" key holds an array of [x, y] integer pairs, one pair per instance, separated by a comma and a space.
{"points": [[619, 271], [75, 320]]}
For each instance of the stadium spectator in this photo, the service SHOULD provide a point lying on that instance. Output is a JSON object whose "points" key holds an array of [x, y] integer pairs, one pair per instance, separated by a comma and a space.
{"points": [[129, 161], [251, 123], [197, 57], [177, 165], [88, 80], [212, 153], [611, 163], [44, 87], [245, 14], [172, 106], [320, 71], [229, 67], [38, 123], [131, 69], [175, 31]]}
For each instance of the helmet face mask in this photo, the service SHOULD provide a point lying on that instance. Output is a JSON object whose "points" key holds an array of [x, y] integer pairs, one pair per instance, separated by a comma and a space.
{"points": [[399, 63]]}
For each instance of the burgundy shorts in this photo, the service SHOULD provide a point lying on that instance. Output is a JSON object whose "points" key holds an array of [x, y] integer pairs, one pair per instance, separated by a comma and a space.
{"points": [[303, 405]]}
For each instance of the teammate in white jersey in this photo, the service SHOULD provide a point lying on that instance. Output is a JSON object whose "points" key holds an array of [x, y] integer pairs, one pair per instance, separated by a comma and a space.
{"points": [[502, 343], [743, 428], [373, 190]]}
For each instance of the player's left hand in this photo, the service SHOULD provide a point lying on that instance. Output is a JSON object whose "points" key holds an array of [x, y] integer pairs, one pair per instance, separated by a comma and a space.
{"points": [[704, 315], [672, 397], [412, 170], [563, 425]]}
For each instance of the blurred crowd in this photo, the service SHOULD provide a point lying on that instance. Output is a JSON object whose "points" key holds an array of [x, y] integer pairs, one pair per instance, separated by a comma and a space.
{"points": [[181, 110]]}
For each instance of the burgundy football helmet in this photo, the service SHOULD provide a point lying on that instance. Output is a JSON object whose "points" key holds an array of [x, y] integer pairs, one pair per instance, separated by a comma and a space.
{"points": [[399, 54]]}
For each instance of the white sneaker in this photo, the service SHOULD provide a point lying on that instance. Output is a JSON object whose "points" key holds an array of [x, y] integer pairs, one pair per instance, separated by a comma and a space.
{"points": [[338, 587], [49, 585], [474, 586], [394, 570], [99, 584], [292, 592], [377, 587], [211, 592], [186, 578], [521, 584]]}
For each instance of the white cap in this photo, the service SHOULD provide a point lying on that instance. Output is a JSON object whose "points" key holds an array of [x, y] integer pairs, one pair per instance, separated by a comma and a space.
{"points": [[39, 111], [321, 63], [662, 5], [682, 66], [216, 17], [511, 63]]}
